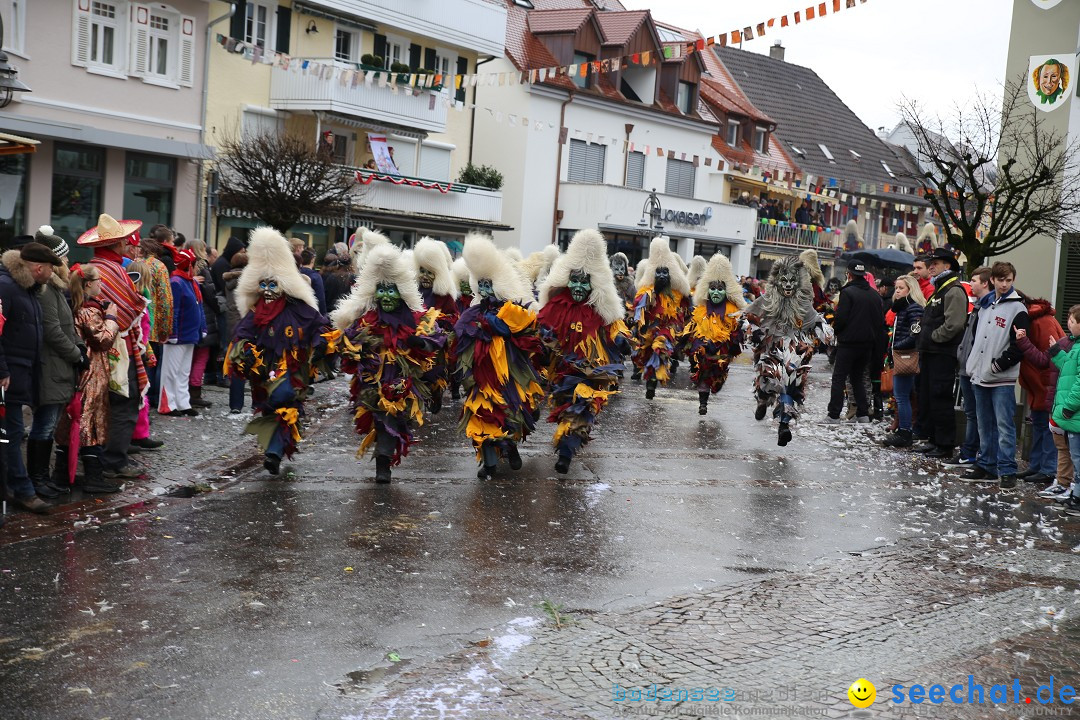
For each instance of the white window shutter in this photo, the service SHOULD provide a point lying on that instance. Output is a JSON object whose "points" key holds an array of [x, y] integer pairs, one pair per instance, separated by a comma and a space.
{"points": [[434, 163], [140, 40], [80, 40], [186, 72]]}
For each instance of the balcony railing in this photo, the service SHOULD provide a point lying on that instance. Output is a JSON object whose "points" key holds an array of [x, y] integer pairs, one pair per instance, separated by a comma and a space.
{"points": [[292, 89], [789, 234], [420, 196]]}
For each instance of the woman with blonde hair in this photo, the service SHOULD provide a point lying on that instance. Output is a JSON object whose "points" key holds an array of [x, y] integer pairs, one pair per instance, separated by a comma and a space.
{"points": [[908, 304]]}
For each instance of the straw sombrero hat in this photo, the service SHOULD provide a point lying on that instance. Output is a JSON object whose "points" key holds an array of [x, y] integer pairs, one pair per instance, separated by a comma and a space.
{"points": [[109, 231]]}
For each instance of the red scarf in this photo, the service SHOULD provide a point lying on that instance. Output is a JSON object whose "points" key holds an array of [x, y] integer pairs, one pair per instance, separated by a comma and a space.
{"points": [[186, 275], [265, 312]]}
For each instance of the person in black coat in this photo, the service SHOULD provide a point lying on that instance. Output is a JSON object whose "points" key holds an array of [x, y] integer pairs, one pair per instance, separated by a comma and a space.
{"points": [[859, 323], [224, 263], [307, 267]]}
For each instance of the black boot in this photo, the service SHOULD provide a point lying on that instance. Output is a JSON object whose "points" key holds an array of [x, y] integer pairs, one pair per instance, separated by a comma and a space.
{"points": [[490, 458], [455, 391], [272, 463], [898, 439], [59, 480], [674, 368], [196, 397], [785, 435], [38, 454], [703, 403], [650, 389], [382, 469], [636, 375], [562, 466], [759, 413], [436, 403], [93, 480], [513, 457]]}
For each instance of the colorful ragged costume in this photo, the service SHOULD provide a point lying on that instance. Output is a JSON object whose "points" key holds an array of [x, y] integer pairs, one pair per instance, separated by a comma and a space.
{"points": [[279, 338], [461, 276], [439, 291], [581, 324], [783, 325], [660, 310], [391, 345], [713, 337], [498, 348]]}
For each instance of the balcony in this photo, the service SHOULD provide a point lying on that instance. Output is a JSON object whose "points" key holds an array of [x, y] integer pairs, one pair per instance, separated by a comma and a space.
{"points": [[423, 110], [792, 235], [474, 25], [460, 202]]}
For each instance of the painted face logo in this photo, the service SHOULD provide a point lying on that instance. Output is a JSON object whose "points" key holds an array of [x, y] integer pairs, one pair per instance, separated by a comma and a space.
{"points": [[862, 693]]}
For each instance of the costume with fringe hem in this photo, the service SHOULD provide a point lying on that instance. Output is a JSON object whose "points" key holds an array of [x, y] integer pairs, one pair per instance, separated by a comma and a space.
{"points": [[658, 320], [713, 339], [585, 358], [388, 391], [439, 376]]}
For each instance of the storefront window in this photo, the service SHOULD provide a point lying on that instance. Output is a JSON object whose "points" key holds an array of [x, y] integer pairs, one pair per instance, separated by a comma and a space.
{"points": [[13, 172], [148, 189], [635, 247], [78, 176], [707, 249]]}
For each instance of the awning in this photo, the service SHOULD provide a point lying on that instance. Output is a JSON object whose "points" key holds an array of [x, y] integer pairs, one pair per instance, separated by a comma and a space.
{"points": [[17, 145], [423, 223], [797, 193], [671, 231]]}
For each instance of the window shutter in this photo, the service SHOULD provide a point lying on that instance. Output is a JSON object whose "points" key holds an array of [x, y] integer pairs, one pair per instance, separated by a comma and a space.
{"points": [[462, 69], [380, 46], [434, 163], [680, 178], [284, 29], [586, 162], [576, 169], [236, 22], [185, 74], [429, 58], [635, 170], [414, 56], [140, 39], [80, 41], [1068, 275]]}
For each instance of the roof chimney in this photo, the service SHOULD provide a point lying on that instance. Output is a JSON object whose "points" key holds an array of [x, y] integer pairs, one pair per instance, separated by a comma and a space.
{"points": [[776, 52]]}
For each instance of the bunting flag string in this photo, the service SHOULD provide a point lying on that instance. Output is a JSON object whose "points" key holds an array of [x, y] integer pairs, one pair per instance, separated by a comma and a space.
{"points": [[366, 177]]}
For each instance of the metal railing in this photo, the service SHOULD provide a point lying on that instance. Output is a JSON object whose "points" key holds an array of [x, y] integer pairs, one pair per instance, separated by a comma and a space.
{"points": [[795, 235]]}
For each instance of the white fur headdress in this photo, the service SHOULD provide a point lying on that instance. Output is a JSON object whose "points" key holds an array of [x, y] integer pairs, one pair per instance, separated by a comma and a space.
{"points": [[460, 272], [433, 255], [362, 246], [719, 268], [587, 252], [513, 253], [270, 256], [851, 232], [902, 243], [537, 266], [385, 263], [813, 266], [697, 266], [928, 232], [484, 260], [660, 255]]}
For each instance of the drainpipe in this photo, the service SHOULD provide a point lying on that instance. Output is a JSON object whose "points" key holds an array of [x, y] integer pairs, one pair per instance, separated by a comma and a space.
{"points": [[472, 121], [558, 168], [202, 127]]}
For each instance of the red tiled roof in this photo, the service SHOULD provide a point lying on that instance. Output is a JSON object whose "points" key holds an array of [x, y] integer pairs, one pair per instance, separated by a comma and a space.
{"points": [[619, 27], [522, 47], [557, 21]]}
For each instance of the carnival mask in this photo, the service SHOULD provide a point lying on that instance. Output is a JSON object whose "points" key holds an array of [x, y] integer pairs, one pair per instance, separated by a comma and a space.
{"points": [[465, 287], [388, 297], [663, 279], [618, 268], [580, 285], [789, 284], [269, 289], [427, 278], [485, 288], [717, 292]]}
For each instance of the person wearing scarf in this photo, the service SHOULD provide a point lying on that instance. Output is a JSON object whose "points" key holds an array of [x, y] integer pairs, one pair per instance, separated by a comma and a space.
{"points": [[188, 328]]}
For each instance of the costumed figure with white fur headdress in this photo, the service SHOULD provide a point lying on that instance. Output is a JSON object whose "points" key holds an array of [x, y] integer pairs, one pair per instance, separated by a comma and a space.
{"points": [[390, 346], [460, 273], [276, 344], [582, 326], [438, 290], [537, 266], [713, 336], [660, 309], [624, 282], [498, 349], [783, 325]]}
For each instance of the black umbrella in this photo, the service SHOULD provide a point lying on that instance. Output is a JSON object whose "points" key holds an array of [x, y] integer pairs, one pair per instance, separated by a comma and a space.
{"points": [[882, 257]]}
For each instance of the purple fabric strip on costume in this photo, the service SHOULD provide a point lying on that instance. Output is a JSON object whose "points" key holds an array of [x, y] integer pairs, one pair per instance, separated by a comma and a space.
{"points": [[306, 321]]}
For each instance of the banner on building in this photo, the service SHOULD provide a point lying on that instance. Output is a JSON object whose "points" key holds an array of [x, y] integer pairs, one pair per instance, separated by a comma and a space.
{"points": [[1049, 80], [381, 152]]}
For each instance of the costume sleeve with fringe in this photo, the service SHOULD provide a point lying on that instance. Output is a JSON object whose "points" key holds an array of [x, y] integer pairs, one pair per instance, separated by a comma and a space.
{"points": [[585, 356], [389, 354], [712, 339], [658, 321], [276, 360], [498, 344]]}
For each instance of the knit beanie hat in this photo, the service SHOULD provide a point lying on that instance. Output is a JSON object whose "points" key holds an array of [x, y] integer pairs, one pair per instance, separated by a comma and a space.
{"points": [[51, 240]]}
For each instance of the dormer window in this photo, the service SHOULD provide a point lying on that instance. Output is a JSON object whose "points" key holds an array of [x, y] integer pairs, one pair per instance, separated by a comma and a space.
{"points": [[527, 4], [761, 139], [797, 151], [855, 155], [582, 81], [732, 133], [685, 97], [828, 155], [888, 169]]}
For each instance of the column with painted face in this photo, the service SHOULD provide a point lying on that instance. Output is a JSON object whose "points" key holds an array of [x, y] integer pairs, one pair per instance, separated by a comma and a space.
{"points": [[387, 296], [580, 285], [270, 289]]}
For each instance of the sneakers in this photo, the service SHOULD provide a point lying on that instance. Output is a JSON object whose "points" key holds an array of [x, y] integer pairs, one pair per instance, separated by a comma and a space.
{"points": [[898, 439], [1072, 506], [1064, 497], [828, 420], [1037, 478], [978, 474], [959, 461], [1054, 490], [1007, 482]]}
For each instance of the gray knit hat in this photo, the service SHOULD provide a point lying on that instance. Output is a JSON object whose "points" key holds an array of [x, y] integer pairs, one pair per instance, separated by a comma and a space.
{"points": [[51, 240]]}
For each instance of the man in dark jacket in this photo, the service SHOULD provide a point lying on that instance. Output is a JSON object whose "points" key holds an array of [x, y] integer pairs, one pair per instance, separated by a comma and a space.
{"points": [[22, 275], [307, 268], [224, 263], [859, 323], [942, 328]]}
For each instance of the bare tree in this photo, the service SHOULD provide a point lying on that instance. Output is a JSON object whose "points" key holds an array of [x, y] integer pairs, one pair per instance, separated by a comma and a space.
{"points": [[1009, 177], [278, 178]]}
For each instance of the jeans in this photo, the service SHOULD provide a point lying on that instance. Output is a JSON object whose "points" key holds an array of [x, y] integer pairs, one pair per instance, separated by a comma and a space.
{"points": [[970, 447], [938, 371], [996, 407], [45, 419], [1074, 452], [18, 481], [851, 362], [153, 374], [1043, 453], [903, 386], [236, 393]]}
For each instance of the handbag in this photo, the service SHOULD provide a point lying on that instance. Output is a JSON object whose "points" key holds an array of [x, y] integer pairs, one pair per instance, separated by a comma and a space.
{"points": [[886, 380], [118, 366], [905, 362]]}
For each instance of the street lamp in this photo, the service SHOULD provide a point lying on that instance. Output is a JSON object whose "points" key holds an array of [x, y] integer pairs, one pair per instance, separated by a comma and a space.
{"points": [[653, 212], [9, 82]]}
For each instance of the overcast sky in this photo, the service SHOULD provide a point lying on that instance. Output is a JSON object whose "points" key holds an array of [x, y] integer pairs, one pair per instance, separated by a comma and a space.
{"points": [[938, 51]]}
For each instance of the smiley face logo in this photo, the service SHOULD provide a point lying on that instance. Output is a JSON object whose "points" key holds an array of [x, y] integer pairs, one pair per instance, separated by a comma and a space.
{"points": [[862, 693]]}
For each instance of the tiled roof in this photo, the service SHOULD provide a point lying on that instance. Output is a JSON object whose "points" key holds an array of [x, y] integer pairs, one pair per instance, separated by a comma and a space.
{"points": [[619, 27], [808, 114], [557, 21], [523, 48]]}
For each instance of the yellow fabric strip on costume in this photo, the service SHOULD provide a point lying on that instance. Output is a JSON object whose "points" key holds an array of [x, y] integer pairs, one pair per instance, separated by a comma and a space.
{"points": [[516, 317], [497, 353], [292, 418]]}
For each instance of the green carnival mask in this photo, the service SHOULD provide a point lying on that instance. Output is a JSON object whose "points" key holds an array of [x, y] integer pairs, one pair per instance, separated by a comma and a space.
{"points": [[717, 292], [465, 287], [427, 278], [580, 285], [485, 288], [388, 296]]}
